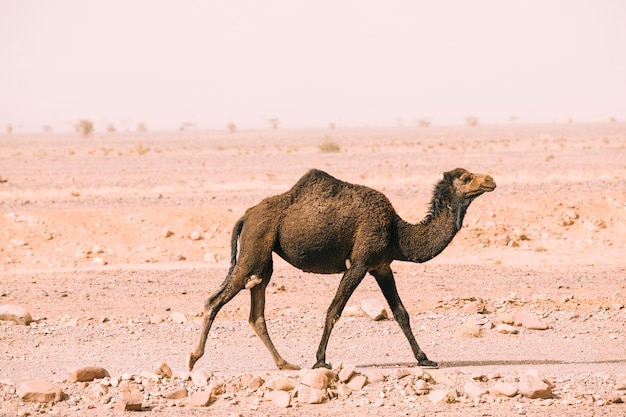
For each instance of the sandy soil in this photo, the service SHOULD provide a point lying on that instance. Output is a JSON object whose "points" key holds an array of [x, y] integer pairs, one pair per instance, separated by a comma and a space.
{"points": [[103, 238]]}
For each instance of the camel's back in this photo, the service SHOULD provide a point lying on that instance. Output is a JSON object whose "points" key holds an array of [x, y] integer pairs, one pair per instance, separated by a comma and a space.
{"points": [[327, 221], [319, 187]]}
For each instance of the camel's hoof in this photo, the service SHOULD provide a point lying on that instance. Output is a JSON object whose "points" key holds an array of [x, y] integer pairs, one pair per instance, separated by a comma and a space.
{"points": [[427, 363], [288, 367], [191, 361], [322, 365]]}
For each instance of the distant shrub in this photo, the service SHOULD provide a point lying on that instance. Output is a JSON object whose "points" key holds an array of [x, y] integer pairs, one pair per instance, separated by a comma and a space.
{"points": [[84, 127], [423, 122], [141, 127], [329, 146], [471, 121], [232, 128], [142, 150]]}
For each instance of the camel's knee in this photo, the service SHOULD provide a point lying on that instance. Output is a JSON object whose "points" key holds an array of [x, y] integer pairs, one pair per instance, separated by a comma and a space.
{"points": [[252, 281]]}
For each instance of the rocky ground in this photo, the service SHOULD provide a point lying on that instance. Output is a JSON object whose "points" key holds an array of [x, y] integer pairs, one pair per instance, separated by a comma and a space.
{"points": [[112, 243]]}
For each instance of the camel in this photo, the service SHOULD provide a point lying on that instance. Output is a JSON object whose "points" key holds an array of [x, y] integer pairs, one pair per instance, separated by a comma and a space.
{"points": [[327, 226]]}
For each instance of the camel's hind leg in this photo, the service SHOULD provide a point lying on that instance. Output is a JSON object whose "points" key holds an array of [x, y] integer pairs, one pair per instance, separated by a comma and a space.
{"points": [[350, 280], [229, 288], [257, 321], [386, 282]]}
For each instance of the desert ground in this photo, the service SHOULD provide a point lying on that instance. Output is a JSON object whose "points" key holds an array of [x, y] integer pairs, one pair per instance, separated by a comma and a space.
{"points": [[113, 242]]}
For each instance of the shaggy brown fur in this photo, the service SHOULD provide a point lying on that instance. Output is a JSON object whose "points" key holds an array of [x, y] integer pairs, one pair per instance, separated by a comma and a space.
{"points": [[327, 226]]}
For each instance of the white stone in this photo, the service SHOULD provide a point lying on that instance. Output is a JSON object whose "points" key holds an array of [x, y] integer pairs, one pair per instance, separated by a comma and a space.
{"points": [[374, 309], [280, 398], [16, 314], [316, 378]]}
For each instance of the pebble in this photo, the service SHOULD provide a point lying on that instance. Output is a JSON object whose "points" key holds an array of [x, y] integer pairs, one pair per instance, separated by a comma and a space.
{"points": [[16, 314], [357, 382], [280, 398], [374, 309], [441, 396], [87, 373], [531, 386], [528, 321], [620, 382], [310, 395], [176, 394], [40, 391], [473, 307], [474, 391], [506, 329], [163, 370], [316, 378], [507, 389], [178, 317], [346, 373], [201, 377], [199, 399], [280, 383], [129, 398]]}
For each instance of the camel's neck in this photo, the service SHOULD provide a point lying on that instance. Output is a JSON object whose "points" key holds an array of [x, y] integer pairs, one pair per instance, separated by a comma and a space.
{"points": [[423, 241]]}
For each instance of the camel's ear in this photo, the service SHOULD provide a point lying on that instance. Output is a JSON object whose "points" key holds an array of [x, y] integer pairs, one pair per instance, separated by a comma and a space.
{"points": [[447, 176]]}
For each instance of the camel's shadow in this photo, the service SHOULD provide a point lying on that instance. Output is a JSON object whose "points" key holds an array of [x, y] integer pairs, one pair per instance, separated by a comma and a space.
{"points": [[503, 362]]}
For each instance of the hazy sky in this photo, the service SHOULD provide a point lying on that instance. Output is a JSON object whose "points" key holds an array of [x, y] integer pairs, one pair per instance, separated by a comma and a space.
{"points": [[309, 63]]}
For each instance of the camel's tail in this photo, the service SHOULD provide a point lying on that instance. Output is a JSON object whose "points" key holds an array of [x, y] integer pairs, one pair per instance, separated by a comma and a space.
{"points": [[233, 245]]}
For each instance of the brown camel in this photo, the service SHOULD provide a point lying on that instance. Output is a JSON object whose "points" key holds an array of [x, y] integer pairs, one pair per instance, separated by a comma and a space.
{"points": [[327, 226]]}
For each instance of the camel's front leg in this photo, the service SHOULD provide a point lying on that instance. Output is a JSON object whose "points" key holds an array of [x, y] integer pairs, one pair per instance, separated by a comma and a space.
{"points": [[386, 282], [257, 321], [350, 280]]}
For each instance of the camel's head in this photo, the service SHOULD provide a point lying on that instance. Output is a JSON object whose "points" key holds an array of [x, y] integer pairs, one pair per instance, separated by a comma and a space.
{"points": [[468, 185]]}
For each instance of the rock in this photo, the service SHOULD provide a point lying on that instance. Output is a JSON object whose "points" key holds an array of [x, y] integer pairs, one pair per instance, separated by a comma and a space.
{"points": [[440, 377], [201, 377], [150, 376], [310, 395], [374, 376], [421, 387], [531, 386], [95, 391], [16, 314], [40, 391], [316, 378], [175, 394], [280, 383], [129, 398], [473, 307], [352, 311], [507, 389], [346, 373], [280, 398], [357, 382], [178, 317], [343, 391], [506, 329], [528, 321], [256, 382], [374, 309], [620, 382], [87, 373], [199, 399], [163, 370], [474, 391], [441, 396]]}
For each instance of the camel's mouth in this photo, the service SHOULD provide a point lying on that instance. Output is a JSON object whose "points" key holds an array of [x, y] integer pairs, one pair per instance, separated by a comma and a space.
{"points": [[486, 184]]}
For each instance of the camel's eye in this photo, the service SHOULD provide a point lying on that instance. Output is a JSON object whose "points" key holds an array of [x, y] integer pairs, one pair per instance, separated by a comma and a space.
{"points": [[466, 179]]}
